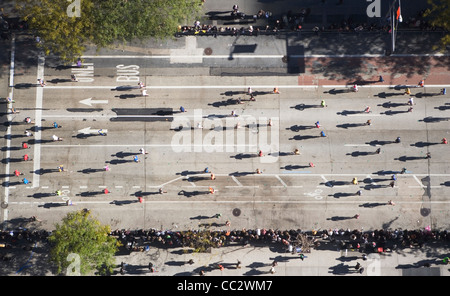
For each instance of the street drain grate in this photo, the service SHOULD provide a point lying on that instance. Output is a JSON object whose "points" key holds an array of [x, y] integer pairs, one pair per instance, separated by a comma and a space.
{"points": [[236, 212], [208, 51]]}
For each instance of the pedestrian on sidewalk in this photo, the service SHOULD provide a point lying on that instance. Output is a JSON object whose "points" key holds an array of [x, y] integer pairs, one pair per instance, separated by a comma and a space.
{"points": [[144, 92], [369, 122], [182, 109], [28, 134], [56, 125], [25, 157], [367, 109], [106, 168], [322, 134], [355, 88], [355, 181], [106, 191], [407, 91], [17, 173], [28, 120], [60, 168], [135, 158], [56, 138], [25, 181], [397, 140], [443, 91], [322, 104], [302, 256], [444, 141], [74, 78], [161, 191], [213, 177], [411, 101], [25, 145], [380, 79], [391, 203], [317, 124], [276, 91], [356, 216], [41, 82]]}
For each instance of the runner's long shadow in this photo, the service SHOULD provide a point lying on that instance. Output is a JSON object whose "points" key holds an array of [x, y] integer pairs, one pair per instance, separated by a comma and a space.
{"points": [[349, 112], [431, 119], [58, 80], [90, 171], [192, 193], [424, 144], [243, 156], [384, 95], [44, 171], [350, 125], [361, 153], [340, 218], [225, 103], [295, 167], [196, 179], [336, 183], [442, 108], [237, 174], [342, 194], [392, 113], [51, 205], [381, 143], [335, 91], [90, 193], [302, 107], [122, 154], [186, 173], [372, 204], [123, 202], [42, 195], [297, 128], [299, 138], [388, 105], [408, 158], [140, 193], [118, 161]]}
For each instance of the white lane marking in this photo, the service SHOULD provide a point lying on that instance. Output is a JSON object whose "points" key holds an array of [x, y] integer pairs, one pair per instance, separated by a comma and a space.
{"points": [[281, 181], [236, 181], [38, 120]]}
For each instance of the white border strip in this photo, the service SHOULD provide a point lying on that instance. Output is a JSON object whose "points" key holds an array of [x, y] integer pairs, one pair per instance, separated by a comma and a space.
{"points": [[8, 130]]}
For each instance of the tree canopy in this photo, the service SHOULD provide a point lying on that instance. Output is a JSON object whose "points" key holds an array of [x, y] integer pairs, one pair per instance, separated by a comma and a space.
{"points": [[65, 27], [439, 14], [81, 245]]}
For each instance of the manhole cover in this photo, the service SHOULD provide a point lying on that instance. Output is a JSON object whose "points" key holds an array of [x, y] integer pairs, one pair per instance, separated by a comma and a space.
{"points": [[236, 212], [284, 59], [4, 205], [208, 51], [425, 212]]}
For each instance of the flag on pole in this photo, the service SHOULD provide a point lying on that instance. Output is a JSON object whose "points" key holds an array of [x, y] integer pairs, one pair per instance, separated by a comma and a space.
{"points": [[399, 16]]}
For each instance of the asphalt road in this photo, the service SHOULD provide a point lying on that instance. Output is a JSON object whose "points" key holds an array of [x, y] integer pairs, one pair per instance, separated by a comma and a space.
{"points": [[290, 193]]}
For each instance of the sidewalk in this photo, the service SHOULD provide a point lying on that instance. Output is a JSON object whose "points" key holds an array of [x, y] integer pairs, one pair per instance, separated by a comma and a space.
{"points": [[257, 261]]}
